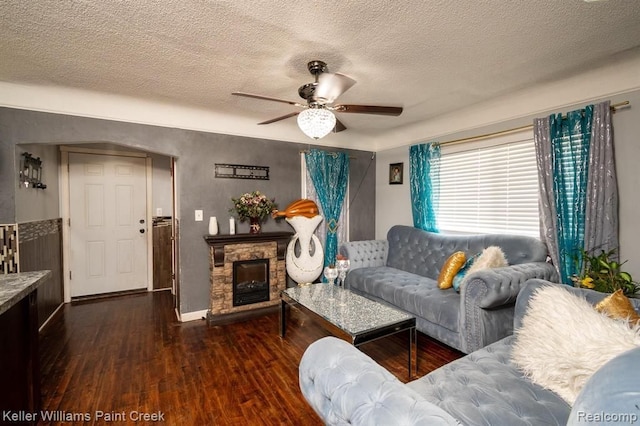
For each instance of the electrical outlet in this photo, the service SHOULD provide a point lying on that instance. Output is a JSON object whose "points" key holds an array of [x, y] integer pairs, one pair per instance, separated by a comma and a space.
{"points": [[159, 211], [199, 215]]}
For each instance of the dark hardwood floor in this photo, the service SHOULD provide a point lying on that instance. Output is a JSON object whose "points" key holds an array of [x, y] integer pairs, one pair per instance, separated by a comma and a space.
{"points": [[128, 355]]}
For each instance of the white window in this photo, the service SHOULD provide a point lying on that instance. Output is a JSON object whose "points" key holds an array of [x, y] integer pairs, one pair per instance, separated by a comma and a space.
{"points": [[490, 186]]}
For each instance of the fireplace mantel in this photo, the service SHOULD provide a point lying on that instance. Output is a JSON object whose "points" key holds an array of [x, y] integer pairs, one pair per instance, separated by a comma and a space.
{"points": [[217, 242]]}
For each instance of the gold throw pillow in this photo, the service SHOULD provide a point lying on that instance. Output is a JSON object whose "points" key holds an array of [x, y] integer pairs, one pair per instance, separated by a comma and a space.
{"points": [[618, 306], [450, 268]]}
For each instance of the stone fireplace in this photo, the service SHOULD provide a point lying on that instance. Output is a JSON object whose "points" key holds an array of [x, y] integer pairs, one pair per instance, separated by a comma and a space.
{"points": [[247, 273]]}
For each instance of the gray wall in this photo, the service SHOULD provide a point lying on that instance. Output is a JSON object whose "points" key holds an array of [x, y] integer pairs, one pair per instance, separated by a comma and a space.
{"points": [[38, 204], [161, 185], [196, 154]]}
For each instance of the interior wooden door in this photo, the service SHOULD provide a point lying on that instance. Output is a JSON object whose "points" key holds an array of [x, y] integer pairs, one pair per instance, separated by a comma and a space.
{"points": [[108, 241]]}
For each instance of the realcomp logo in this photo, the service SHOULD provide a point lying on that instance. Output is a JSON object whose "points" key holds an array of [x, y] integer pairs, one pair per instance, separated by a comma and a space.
{"points": [[604, 417]]}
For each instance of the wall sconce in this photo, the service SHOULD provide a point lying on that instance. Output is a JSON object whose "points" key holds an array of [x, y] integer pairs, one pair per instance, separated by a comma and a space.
{"points": [[31, 171]]}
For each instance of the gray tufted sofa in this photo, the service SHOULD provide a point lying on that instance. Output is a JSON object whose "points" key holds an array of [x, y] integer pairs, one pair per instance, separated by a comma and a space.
{"points": [[402, 271], [345, 387]]}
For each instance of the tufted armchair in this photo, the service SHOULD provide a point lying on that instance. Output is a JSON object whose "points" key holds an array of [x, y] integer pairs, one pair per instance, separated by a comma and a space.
{"points": [[402, 271]]}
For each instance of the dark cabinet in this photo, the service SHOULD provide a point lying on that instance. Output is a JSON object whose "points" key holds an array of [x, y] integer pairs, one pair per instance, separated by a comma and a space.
{"points": [[162, 269], [19, 359]]}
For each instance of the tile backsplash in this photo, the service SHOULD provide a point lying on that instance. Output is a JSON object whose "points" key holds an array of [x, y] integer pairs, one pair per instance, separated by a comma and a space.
{"points": [[9, 249]]}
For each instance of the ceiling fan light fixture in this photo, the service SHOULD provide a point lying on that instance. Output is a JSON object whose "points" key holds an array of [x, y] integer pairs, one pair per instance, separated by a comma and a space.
{"points": [[316, 122]]}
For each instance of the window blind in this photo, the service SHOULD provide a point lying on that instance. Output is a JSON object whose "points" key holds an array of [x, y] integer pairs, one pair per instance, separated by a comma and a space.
{"points": [[491, 189]]}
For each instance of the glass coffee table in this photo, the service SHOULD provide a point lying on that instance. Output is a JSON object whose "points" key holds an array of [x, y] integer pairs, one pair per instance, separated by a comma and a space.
{"points": [[348, 315]]}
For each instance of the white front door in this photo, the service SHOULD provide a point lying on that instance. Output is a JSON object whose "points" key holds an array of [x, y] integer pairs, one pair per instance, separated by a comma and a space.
{"points": [[107, 233]]}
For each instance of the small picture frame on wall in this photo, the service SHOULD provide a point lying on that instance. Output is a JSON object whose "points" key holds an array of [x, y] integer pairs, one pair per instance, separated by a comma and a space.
{"points": [[396, 173]]}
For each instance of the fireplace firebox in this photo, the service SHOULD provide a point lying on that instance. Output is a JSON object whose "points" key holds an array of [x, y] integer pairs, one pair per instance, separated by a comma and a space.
{"points": [[250, 281]]}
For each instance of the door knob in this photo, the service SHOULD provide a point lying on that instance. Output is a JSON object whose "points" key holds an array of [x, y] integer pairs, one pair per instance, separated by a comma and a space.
{"points": [[142, 231]]}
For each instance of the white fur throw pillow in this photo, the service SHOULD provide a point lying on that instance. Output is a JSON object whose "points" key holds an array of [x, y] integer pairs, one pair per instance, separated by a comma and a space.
{"points": [[563, 341], [491, 257]]}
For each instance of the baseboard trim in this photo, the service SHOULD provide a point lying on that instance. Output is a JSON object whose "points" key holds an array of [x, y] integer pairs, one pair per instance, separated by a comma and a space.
{"points": [[44, 324], [111, 295], [191, 316]]}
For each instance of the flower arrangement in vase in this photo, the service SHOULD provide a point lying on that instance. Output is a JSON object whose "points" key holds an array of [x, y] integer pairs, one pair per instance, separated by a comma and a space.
{"points": [[254, 207]]}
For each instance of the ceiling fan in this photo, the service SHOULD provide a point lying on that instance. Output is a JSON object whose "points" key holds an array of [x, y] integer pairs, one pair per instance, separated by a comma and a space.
{"points": [[316, 119]]}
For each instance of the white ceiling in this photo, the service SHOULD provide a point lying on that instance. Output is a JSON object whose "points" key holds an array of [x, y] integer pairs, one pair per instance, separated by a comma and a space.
{"points": [[431, 57]]}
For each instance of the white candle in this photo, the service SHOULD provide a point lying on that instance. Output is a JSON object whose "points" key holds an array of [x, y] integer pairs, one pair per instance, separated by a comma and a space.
{"points": [[232, 226]]}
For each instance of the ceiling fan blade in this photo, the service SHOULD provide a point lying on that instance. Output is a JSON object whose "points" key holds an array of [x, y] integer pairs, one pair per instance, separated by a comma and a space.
{"points": [[369, 109], [331, 85], [267, 98], [339, 126], [273, 120]]}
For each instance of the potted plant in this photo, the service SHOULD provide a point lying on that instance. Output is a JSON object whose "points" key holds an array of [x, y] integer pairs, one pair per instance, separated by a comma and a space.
{"points": [[254, 207], [603, 273]]}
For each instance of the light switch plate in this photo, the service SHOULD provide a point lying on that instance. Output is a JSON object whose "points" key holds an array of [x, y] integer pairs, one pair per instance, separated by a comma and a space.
{"points": [[199, 215]]}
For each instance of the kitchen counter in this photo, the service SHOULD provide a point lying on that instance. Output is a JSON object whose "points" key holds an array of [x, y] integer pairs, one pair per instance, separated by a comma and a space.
{"points": [[14, 287]]}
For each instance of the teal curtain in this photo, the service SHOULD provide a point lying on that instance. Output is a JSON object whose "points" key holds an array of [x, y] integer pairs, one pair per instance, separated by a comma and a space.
{"points": [[424, 176], [570, 141], [329, 173]]}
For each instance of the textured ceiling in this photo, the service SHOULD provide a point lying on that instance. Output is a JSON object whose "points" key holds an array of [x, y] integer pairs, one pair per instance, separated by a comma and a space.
{"points": [[431, 56]]}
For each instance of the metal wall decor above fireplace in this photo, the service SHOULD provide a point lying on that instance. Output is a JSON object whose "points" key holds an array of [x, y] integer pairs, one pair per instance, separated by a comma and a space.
{"points": [[240, 171], [250, 281]]}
